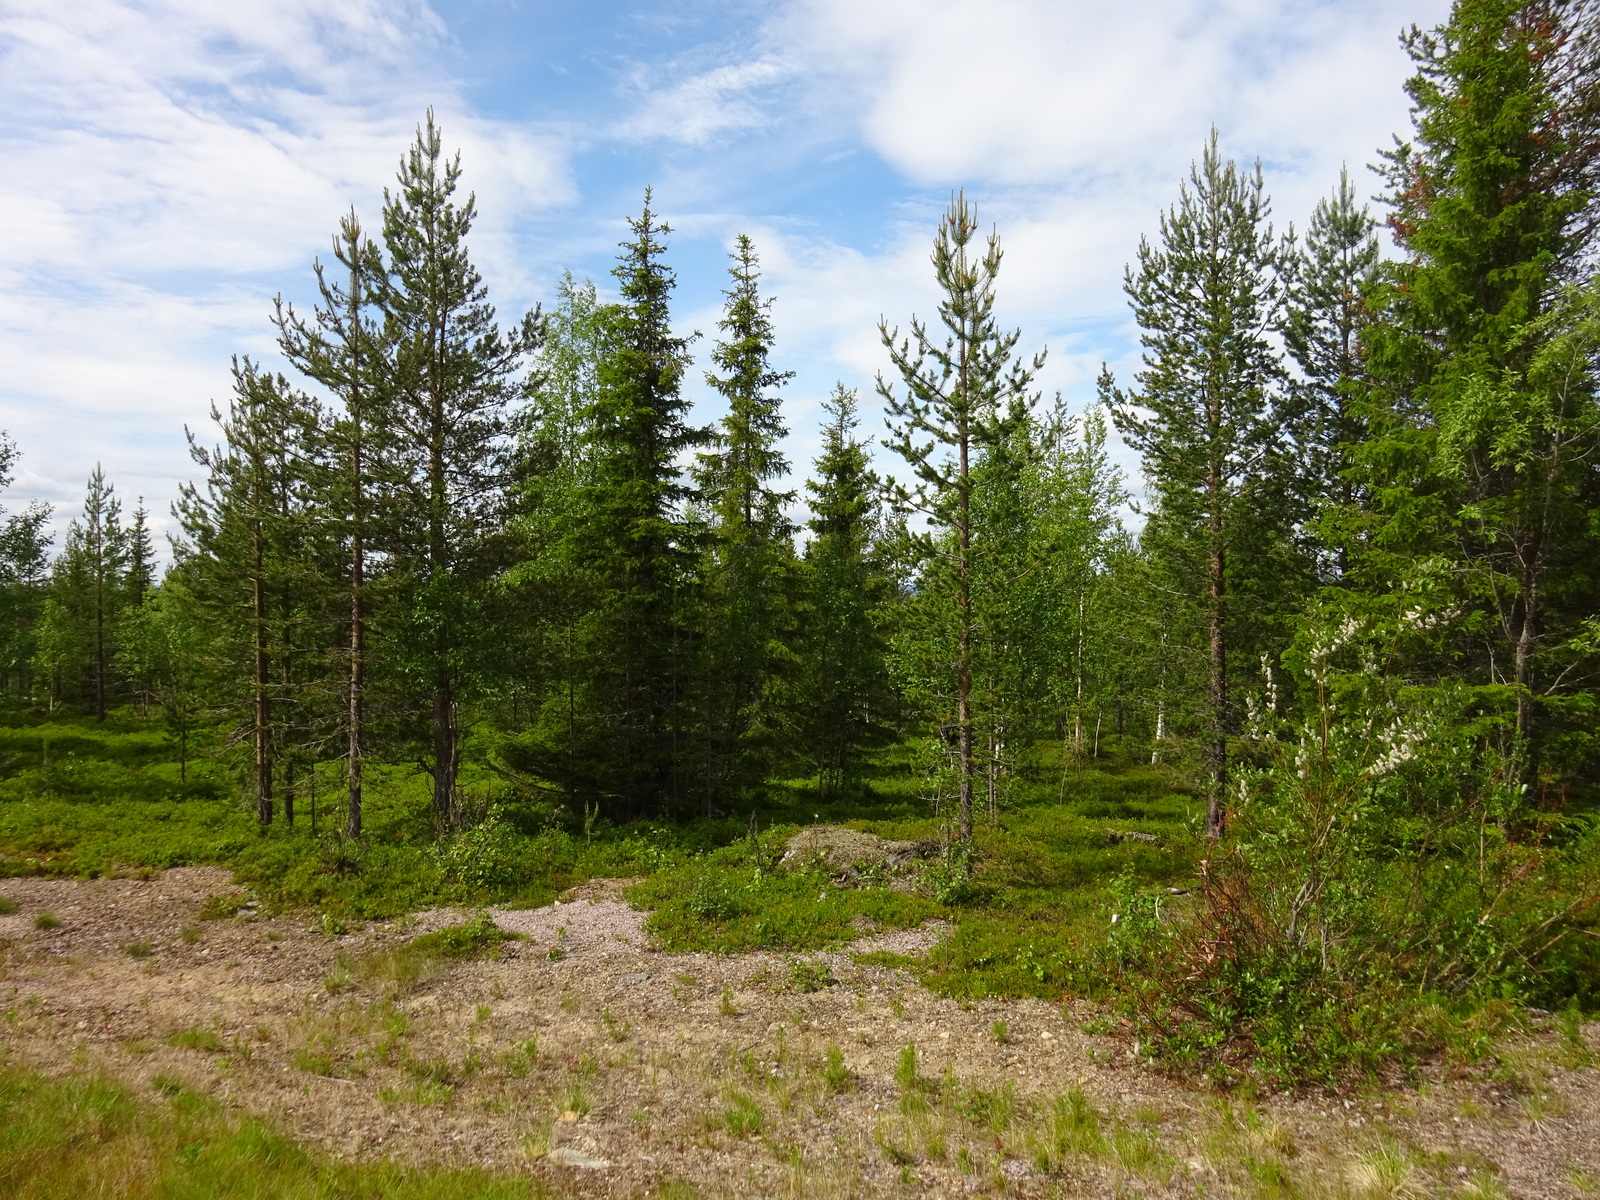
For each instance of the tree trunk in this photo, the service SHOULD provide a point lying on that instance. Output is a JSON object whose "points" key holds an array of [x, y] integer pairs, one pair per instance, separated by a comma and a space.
{"points": [[964, 618], [352, 826], [444, 755], [263, 705], [1217, 691]]}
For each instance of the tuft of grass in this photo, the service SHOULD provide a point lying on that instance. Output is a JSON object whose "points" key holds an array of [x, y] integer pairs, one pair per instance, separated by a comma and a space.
{"points": [[8, 906], [190, 934], [836, 1077], [575, 1099], [743, 1116], [727, 1007], [1384, 1172], [905, 1069], [474, 939], [196, 1038], [139, 949], [1001, 1033], [47, 920], [991, 1107], [80, 1135]]}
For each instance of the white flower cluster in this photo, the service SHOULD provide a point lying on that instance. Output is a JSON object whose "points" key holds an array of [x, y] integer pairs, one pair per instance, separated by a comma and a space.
{"points": [[1401, 747]]}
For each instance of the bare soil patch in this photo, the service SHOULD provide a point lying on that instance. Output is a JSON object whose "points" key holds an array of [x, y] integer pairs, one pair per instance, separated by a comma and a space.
{"points": [[581, 1057]]}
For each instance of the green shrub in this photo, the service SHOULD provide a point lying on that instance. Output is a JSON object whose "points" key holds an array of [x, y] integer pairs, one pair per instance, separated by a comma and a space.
{"points": [[219, 906], [474, 939], [47, 920], [8, 906], [1383, 879]]}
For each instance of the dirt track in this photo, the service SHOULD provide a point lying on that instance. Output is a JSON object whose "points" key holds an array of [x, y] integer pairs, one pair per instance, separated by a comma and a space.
{"points": [[583, 1057]]}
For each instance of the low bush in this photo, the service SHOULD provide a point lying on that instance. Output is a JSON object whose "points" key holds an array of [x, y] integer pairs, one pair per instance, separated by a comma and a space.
{"points": [[1384, 887]]}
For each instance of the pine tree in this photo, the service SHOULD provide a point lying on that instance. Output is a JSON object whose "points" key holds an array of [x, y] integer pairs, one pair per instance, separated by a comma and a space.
{"points": [[749, 570], [247, 561], [843, 700], [343, 349], [1206, 416], [964, 396], [1330, 305], [453, 374]]}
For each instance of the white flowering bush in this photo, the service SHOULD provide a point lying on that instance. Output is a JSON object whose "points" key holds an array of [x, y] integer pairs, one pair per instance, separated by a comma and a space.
{"points": [[1381, 857]]}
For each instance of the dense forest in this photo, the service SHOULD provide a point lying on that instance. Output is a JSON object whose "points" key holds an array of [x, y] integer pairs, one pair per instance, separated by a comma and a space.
{"points": [[1355, 603]]}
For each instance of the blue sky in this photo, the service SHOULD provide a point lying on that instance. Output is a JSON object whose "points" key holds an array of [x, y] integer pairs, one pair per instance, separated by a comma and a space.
{"points": [[171, 165]]}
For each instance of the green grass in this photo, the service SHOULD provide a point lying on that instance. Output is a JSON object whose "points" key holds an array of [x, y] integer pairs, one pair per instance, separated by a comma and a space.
{"points": [[82, 1136], [78, 798]]}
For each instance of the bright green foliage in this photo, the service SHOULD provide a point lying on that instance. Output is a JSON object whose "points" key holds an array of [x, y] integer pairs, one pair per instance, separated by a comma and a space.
{"points": [[1373, 871], [843, 703], [1207, 420], [162, 645], [79, 1135], [748, 577]]}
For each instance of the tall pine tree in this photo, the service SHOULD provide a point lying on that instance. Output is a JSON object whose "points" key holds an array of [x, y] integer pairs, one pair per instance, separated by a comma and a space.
{"points": [[1207, 418], [453, 374], [965, 395]]}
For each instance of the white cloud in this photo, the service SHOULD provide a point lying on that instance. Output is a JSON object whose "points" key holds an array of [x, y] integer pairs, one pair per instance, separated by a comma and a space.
{"points": [[171, 165], [697, 109]]}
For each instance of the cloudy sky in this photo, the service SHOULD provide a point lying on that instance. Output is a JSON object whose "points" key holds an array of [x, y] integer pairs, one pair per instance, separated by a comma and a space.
{"points": [[171, 165]]}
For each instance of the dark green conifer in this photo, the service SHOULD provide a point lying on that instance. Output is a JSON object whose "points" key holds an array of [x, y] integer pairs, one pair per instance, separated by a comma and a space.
{"points": [[748, 579]]}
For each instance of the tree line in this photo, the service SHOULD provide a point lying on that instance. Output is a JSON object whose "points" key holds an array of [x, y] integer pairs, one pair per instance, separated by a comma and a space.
{"points": [[441, 536]]}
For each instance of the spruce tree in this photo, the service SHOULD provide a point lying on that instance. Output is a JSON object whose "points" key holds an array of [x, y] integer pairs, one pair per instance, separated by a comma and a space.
{"points": [[749, 569], [453, 374], [1330, 305], [90, 580], [1484, 444], [1207, 418], [843, 700], [140, 574], [964, 396], [635, 547]]}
